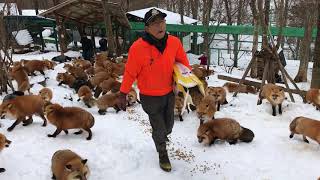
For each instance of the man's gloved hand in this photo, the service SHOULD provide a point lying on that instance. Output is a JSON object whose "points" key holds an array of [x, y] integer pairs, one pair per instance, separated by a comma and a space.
{"points": [[122, 101]]}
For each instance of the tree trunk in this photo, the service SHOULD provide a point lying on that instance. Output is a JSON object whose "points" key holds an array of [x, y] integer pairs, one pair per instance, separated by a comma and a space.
{"points": [[181, 10], [206, 17], [188, 8], [6, 59], [286, 12], [254, 70], [229, 21], [194, 10], [108, 24], [61, 31], [315, 81], [280, 23], [305, 48], [236, 36]]}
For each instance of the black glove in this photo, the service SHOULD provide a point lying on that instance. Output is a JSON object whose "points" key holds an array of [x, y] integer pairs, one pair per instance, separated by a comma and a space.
{"points": [[122, 101]]}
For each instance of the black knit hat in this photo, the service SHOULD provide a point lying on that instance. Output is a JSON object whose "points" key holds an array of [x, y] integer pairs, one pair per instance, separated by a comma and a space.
{"points": [[151, 14]]}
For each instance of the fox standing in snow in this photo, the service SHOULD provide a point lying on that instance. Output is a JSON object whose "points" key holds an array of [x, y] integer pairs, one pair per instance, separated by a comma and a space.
{"points": [[22, 106], [313, 96], [19, 74], [65, 118], [274, 94], [307, 127], [219, 94], [85, 94], [65, 78], [67, 165], [106, 101], [37, 65], [232, 87], [223, 129], [4, 142]]}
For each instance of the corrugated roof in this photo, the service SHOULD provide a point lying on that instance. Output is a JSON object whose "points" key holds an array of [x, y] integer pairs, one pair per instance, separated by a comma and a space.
{"points": [[46, 4], [87, 11]]}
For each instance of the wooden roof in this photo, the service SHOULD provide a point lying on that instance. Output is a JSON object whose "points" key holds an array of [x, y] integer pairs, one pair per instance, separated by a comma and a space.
{"points": [[87, 11], [46, 4]]}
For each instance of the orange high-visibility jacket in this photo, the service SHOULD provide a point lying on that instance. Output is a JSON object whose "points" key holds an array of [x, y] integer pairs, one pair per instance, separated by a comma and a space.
{"points": [[152, 69]]}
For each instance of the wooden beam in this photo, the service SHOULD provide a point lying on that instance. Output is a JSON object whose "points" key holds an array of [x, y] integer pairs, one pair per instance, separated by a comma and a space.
{"points": [[257, 84]]}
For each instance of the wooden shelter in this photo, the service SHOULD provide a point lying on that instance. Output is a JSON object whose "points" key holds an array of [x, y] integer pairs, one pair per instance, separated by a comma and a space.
{"points": [[88, 12], [46, 4]]}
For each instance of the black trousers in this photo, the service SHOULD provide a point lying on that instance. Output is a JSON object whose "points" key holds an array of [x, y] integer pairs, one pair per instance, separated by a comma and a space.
{"points": [[160, 110]]}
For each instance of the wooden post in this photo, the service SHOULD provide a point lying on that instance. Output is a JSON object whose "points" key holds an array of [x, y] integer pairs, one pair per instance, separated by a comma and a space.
{"points": [[93, 39], [56, 37], [59, 24], [107, 20], [36, 4], [243, 77]]}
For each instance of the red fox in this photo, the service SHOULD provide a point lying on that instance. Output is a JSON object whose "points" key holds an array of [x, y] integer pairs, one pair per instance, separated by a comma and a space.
{"points": [[274, 94], [67, 165], [106, 101], [65, 118], [22, 106], [65, 78], [37, 65], [46, 94], [223, 129], [313, 96], [19, 74], [178, 106], [85, 94], [78, 73], [206, 109], [307, 127], [219, 94], [232, 87], [83, 64], [4, 142]]}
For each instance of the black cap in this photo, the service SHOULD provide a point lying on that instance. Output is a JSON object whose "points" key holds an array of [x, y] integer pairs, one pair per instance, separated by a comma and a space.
{"points": [[151, 14]]}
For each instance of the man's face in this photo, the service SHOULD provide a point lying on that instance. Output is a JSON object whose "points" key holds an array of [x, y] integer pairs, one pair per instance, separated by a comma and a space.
{"points": [[157, 27]]}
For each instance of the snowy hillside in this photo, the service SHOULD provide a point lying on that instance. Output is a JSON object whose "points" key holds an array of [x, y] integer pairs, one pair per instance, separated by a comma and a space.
{"points": [[122, 147]]}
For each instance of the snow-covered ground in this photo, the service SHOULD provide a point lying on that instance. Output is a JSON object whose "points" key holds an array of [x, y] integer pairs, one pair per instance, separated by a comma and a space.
{"points": [[122, 147]]}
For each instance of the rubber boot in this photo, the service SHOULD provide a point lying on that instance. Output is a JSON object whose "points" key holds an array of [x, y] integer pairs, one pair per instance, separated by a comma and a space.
{"points": [[164, 161]]}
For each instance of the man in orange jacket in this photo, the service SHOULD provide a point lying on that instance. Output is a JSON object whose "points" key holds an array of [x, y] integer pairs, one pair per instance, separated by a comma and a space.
{"points": [[150, 62]]}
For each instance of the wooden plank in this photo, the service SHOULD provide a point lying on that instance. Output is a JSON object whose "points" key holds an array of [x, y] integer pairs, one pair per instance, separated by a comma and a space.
{"points": [[256, 84]]}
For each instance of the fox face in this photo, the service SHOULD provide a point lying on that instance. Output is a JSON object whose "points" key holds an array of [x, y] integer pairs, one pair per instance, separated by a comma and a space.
{"points": [[78, 170], [132, 97], [67, 67], [206, 108], [60, 77], [277, 95], [218, 93], [49, 64], [7, 110], [204, 134], [46, 94], [4, 142]]}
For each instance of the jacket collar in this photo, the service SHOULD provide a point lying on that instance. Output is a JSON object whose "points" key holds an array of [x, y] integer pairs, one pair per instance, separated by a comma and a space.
{"points": [[159, 44]]}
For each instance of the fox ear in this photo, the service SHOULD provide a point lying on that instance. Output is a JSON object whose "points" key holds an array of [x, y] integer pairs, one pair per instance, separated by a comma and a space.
{"points": [[84, 161], [68, 167]]}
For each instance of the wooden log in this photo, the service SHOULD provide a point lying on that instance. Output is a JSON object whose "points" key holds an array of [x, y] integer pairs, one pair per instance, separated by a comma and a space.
{"points": [[257, 84]]}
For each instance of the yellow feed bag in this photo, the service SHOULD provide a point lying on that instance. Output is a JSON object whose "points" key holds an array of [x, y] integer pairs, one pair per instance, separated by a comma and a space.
{"points": [[183, 77]]}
